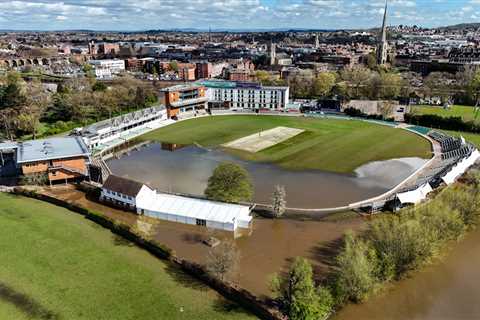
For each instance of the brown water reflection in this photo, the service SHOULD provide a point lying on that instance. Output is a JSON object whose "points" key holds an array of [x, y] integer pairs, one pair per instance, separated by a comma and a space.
{"points": [[188, 168], [449, 290]]}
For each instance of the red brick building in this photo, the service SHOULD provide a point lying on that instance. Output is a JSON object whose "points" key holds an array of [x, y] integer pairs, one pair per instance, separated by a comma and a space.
{"points": [[203, 70]]}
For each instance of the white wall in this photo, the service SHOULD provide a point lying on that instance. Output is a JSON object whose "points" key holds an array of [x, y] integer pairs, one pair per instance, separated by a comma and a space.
{"points": [[118, 197]]}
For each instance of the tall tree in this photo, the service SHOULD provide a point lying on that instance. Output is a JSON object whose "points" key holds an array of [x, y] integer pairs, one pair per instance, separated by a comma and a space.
{"points": [[355, 277], [13, 94], [300, 298], [34, 106], [279, 202], [357, 79], [230, 183], [222, 260], [323, 84]]}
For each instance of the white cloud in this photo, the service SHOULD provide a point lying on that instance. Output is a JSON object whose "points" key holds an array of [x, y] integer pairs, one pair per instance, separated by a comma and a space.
{"points": [[150, 14]]}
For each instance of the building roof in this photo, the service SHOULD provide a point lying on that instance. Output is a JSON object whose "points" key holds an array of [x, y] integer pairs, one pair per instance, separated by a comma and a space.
{"points": [[122, 185], [125, 119], [237, 85], [8, 145], [194, 208], [182, 87], [186, 102], [51, 148]]}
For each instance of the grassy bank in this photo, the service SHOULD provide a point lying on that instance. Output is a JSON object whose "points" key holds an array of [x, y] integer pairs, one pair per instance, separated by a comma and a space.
{"points": [[465, 112], [57, 265], [327, 144]]}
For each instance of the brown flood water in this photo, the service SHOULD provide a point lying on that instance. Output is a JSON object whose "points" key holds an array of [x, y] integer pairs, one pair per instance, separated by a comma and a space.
{"points": [[449, 290], [270, 248]]}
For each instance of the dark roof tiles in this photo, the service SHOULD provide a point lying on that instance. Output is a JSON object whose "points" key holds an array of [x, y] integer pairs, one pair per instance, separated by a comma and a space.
{"points": [[122, 185]]}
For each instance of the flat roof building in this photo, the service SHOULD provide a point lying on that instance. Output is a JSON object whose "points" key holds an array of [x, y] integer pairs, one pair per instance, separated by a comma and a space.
{"points": [[245, 95], [185, 98], [62, 159]]}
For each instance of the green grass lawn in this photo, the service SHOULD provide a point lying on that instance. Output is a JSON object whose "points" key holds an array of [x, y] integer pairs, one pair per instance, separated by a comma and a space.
{"points": [[327, 144], [57, 265], [465, 112]]}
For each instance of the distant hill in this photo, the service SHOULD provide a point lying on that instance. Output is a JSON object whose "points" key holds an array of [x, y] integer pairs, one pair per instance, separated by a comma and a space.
{"points": [[461, 26]]}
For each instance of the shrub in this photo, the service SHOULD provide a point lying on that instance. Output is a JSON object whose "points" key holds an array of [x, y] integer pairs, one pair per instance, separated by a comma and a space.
{"points": [[356, 267], [400, 243], [466, 201], [298, 295], [446, 123], [34, 179], [444, 223]]}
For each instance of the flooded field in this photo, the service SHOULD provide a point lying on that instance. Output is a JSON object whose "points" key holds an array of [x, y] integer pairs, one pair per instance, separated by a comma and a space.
{"points": [[187, 169], [270, 248], [449, 290]]}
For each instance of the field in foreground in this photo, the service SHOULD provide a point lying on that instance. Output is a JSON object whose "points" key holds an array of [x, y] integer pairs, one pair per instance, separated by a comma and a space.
{"points": [[57, 265], [327, 144], [465, 112]]}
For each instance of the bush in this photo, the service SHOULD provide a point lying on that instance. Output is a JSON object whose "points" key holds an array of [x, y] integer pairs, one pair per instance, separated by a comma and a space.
{"points": [[298, 295], [356, 269], [34, 179], [443, 222], [392, 245], [402, 243], [445, 123], [466, 202]]}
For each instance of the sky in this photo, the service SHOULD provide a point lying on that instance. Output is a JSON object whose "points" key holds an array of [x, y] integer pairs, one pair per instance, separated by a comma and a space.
{"points": [[129, 15]]}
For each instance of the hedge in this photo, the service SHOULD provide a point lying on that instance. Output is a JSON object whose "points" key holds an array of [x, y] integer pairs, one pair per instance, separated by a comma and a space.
{"points": [[439, 122], [229, 290]]}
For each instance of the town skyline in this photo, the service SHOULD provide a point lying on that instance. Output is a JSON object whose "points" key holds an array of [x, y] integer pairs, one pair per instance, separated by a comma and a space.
{"points": [[225, 15]]}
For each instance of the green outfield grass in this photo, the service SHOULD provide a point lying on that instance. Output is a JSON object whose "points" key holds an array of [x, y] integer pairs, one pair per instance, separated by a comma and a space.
{"points": [[327, 144], [465, 112], [57, 265]]}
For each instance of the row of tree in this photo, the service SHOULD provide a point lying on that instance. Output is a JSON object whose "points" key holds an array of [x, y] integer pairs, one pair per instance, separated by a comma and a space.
{"points": [[361, 82], [445, 123], [393, 245], [387, 250], [26, 107]]}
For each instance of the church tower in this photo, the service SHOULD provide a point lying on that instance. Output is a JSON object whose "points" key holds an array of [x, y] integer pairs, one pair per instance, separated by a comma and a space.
{"points": [[382, 45], [273, 53]]}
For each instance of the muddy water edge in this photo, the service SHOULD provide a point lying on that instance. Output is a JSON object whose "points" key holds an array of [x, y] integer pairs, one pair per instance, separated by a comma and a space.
{"points": [[447, 290]]}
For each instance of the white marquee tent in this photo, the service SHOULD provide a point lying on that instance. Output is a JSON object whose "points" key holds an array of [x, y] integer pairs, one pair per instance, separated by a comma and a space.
{"points": [[415, 196], [203, 212], [461, 167]]}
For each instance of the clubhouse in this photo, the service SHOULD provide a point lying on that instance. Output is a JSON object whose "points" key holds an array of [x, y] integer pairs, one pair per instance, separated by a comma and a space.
{"points": [[61, 159]]}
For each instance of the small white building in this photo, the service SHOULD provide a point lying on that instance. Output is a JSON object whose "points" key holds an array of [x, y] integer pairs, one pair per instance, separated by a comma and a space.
{"points": [[123, 192], [201, 212], [107, 68]]}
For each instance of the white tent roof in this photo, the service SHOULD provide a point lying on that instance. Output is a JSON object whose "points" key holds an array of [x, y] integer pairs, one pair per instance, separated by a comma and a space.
{"points": [[415, 196], [461, 167], [193, 208]]}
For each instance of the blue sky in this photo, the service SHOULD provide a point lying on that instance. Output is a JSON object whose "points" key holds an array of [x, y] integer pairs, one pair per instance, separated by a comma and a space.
{"points": [[231, 14]]}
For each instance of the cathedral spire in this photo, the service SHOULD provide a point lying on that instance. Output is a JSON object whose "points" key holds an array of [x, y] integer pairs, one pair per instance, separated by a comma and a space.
{"points": [[384, 24], [382, 48]]}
